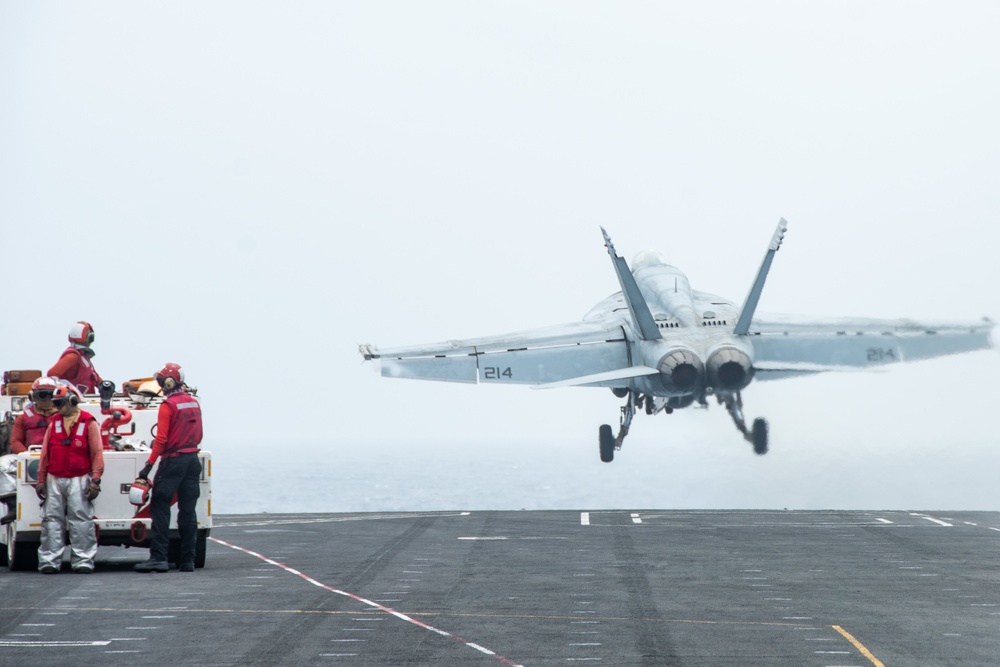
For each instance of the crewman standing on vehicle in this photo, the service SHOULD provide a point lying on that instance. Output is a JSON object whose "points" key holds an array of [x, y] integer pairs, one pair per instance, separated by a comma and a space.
{"points": [[28, 430], [74, 365], [178, 435], [69, 479]]}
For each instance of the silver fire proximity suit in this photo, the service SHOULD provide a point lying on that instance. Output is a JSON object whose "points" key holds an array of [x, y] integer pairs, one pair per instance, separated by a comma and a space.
{"points": [[67, 509]]}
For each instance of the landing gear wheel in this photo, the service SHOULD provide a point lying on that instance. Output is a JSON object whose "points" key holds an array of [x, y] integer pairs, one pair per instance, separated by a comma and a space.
{"points": [[759, 436], [607, 440]]}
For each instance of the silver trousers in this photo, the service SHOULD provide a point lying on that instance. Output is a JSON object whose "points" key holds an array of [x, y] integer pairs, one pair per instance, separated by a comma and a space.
{"points": [[67, 510]]}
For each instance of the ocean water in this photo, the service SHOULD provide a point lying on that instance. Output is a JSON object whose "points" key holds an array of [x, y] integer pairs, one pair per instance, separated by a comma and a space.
{"points": [[706, 474]]}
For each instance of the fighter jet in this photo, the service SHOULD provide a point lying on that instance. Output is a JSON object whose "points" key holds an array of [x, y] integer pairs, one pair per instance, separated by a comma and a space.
{"points": [[663, 346]]}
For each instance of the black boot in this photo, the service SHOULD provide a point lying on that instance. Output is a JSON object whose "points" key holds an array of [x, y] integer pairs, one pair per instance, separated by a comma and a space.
{"points": [[152, 566]]}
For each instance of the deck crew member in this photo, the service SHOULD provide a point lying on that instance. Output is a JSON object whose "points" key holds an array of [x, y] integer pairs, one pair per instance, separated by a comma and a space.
{"points": [[178, 435], [69, 478], [28, 429], [75, 364]]}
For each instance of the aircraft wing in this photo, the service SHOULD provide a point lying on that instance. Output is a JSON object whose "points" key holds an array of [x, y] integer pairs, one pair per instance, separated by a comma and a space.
{"points": [[787, 347], [587, 352]]}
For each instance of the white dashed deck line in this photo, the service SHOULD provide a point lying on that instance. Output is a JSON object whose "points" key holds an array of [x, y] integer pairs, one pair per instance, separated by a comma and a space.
{"points": [[53, 643], [932, 519], [370, 603], [584, 518]]}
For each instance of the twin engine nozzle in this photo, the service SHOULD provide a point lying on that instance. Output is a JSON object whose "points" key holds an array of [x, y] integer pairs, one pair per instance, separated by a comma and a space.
{"points": [[728, 369]]}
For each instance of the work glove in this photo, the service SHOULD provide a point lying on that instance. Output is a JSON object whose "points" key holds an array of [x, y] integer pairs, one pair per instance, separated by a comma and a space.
{"points": [[93, 490], [144, 473], [40, 490]]}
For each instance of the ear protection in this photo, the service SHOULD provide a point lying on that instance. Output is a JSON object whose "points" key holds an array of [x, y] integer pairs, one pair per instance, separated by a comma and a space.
{"points": [[63, 396], [169, 383]]}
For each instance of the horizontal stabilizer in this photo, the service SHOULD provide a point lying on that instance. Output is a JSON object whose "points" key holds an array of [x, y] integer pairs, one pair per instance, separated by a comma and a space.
{"points": [[620, 374]]}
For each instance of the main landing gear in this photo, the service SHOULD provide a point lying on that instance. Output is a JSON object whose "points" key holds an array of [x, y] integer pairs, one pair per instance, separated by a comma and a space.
{"points": [[609, 444], [756, 435]]}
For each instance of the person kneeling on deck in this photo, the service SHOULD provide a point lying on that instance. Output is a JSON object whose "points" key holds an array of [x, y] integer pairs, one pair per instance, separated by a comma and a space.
{"points": [[178, 434], [69, 479]]}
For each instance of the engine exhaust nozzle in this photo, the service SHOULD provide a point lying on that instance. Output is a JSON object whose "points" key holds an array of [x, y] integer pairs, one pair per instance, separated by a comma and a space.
{"points": [[729, 369], [681, 370]]}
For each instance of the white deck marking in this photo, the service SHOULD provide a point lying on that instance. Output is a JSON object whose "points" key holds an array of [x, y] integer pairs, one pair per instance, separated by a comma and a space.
{"points": [[584, 518], [635, 518], [370, 603], [930, 518], [53, 643], [883, 520], [480, 648]]}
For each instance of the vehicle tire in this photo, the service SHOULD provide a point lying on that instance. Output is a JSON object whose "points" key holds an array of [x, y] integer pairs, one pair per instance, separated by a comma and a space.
{"points": [[21, 555], [607, 440], [174, 550], [199, 549], [759, 434]]}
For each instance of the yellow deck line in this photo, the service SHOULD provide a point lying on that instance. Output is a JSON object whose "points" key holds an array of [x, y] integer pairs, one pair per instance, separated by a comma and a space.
{"points": [[858, 645]]}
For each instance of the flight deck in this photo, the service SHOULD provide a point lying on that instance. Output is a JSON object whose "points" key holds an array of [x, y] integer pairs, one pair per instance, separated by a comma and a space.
{"points": [[639, 587]]}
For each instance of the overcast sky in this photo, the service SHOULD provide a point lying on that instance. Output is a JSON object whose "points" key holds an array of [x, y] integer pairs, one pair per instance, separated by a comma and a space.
{"points": [[252, 189]]}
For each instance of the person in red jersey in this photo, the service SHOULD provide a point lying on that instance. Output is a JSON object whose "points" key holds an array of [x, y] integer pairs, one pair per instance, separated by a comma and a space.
{"points": [[28, 430], [178, 436], [69, 479], [74, 365]]}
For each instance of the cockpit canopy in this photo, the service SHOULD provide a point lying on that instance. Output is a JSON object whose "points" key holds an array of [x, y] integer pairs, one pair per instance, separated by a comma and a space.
{"points": [[650, 257]]}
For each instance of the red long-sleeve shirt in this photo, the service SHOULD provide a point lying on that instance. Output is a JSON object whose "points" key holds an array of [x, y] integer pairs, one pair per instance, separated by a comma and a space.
{"points": [[163, 418]]}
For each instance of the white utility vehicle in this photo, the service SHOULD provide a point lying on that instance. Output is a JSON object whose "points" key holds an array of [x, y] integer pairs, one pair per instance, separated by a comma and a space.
{"points": [[128, 427]]}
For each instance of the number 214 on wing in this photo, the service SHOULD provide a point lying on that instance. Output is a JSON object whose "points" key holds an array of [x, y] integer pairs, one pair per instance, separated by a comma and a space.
{"points": [[496, 373]]}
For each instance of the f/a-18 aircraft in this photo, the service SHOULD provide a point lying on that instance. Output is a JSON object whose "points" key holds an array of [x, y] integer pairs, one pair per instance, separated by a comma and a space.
{"points": [[662, 346]]}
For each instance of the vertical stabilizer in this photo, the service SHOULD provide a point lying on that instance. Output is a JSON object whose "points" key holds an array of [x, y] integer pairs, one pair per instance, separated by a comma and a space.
{"points": [[750, 305], [642, 319]]}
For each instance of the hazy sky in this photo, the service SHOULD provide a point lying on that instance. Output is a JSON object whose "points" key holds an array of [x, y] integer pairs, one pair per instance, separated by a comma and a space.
{"points": [[251, 189]]}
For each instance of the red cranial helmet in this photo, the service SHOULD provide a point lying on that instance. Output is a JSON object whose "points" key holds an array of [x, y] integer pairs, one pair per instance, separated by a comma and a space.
{"points": [[81, 333], [42, 389], [169, 377], [64, 394]]}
